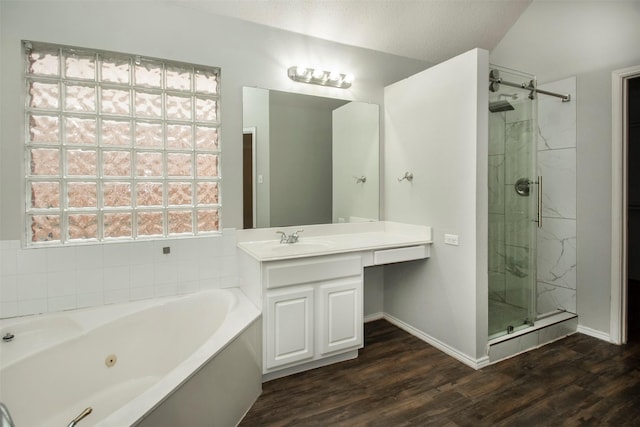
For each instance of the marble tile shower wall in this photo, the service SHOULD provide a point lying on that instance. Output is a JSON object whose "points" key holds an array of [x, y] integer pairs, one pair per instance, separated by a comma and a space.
{"points": [[510, 145], [556, 287], [54, 279], [497, 289]]}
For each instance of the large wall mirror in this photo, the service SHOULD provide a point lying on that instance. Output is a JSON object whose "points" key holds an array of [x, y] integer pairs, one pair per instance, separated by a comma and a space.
{"points": [[308, 159]]}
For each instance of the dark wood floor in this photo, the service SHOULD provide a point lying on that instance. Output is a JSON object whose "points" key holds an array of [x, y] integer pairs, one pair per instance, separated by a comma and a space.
{"points": [[398, 380]]}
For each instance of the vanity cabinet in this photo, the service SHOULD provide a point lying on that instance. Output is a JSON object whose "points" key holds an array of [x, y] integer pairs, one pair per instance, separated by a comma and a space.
{"points": [[311, 292], [313, 309]]}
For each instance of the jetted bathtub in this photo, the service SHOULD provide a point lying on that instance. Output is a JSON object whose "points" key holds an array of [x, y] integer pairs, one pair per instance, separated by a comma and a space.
{"points": [[180, 361]]}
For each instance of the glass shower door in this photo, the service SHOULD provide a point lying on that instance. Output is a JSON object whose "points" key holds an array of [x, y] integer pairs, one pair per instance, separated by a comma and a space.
{"points": [[512, 202]]}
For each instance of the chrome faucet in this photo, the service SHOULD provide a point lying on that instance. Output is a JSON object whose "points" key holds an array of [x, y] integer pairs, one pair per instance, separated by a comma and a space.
{"points": [[5, 416], [79, 418], [292, 238]]}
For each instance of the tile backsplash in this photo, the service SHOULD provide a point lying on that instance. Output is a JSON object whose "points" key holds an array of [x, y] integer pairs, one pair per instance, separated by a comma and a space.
{"points": [[42, 280]]}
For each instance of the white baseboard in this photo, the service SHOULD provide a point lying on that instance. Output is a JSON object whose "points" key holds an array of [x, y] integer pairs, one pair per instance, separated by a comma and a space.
{"points": [[464, 358], [594, 333], [469, 361], [373, 316]]}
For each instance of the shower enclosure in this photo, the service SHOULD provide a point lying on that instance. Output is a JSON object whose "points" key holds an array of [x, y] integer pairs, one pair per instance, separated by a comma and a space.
{"points": [[513, 201]]}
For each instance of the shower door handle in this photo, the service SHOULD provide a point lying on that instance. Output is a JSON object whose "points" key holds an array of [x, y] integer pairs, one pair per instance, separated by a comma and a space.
{"points": [[539, 221]]}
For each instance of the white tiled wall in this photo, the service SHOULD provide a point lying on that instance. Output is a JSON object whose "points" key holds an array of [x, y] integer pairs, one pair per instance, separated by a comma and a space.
{"points": [[41, 280]]}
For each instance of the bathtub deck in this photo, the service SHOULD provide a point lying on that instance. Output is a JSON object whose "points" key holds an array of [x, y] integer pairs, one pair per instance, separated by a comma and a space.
{"points": [[399, 380]]}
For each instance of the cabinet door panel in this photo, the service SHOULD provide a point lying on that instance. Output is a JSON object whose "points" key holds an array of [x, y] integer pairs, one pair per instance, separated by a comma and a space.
{"points": [[340, 316], [289, 327]]}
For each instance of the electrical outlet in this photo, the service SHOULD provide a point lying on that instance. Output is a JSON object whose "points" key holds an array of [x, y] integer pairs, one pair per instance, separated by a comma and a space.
{"points": [[451, 239]]}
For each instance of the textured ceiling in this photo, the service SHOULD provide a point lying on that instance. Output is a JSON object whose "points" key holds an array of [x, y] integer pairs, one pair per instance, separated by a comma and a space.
{"points": [[430, 30]]}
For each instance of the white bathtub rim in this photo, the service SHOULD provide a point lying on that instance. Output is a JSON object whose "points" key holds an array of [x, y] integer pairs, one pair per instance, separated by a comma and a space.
{"points": [[240, 315], [239, 318]]}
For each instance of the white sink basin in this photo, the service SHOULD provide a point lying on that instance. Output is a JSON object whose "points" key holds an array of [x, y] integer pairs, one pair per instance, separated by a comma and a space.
{"points": [[273, 248], [302, 245]]}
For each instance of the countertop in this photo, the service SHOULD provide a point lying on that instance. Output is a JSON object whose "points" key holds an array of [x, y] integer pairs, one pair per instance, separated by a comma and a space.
{"points": [[318, 240]]}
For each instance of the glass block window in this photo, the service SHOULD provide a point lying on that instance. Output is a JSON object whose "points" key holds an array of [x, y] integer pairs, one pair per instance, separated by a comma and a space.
{"points": [[119, 147]]}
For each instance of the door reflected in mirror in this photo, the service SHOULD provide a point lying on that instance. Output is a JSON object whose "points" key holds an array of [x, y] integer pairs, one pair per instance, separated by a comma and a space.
{"points": [[308, 159]]}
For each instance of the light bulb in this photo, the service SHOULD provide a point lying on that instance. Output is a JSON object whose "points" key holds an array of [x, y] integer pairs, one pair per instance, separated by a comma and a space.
{"points": [[334, 76], [318, 76]]}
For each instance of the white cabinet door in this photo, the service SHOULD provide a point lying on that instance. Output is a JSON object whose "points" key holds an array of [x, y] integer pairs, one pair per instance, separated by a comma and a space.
{"points": [[340, 315], [289, 331]]}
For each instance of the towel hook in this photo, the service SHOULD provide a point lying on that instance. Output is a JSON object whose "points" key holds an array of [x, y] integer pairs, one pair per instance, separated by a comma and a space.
{"points": [[360, 179], [408, 176]]}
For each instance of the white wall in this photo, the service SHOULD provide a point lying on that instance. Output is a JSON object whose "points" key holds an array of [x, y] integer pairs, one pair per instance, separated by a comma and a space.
{"points": [[436, 126], [560, 38], [588, 39], [248, 54], [373, 304], [355, 152]]}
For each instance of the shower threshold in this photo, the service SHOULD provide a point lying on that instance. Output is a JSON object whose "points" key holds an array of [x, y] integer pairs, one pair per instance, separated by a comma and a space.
{"points": [[546, 330]]}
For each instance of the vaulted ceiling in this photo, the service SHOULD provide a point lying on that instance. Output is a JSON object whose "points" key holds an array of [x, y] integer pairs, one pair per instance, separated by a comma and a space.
{"points": [[429, 30]]}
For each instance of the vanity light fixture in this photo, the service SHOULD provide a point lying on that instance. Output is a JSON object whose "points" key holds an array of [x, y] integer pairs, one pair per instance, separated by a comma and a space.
{"points": [[320, 77]]}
